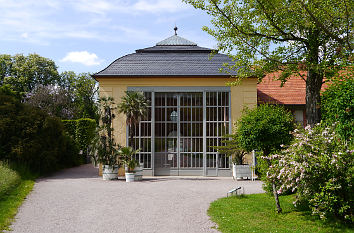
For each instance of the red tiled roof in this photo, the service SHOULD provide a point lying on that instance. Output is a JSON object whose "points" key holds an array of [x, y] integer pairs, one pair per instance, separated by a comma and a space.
{"points": [[293, 92]]}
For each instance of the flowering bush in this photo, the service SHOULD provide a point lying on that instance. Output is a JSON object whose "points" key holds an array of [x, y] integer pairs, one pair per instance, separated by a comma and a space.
{"points": [[318, 165]]}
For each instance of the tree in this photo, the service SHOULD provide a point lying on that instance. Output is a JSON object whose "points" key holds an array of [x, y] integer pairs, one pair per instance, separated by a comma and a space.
{"points": [[295, 37], [134, 106], [55, 101], [24, 73], [338, 105], [265, 128], [84, 89]]}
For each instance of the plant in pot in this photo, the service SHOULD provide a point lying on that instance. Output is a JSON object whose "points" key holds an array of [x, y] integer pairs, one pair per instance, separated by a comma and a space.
{"points": [[232, 148], [106, 148], [126, 158], [134, 106]]}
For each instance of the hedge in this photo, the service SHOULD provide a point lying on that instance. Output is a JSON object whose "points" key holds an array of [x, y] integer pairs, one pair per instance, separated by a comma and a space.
{"points": [[82, 130]]}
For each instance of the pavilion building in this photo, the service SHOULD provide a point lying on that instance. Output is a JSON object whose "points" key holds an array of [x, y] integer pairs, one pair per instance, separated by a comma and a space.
{"points": [[191, 107]]}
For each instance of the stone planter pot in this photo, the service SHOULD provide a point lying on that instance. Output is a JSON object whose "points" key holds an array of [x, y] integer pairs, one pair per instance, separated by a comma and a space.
{"points": [[129, 177], [110, 172], [241, 171]]}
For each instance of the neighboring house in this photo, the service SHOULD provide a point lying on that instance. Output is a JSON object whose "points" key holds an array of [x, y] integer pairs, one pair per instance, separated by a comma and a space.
{"points": [[191, 107], [292, 95]]}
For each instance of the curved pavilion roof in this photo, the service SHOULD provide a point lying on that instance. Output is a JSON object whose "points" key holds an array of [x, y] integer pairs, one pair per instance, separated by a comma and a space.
{"points": [[174, 56]]}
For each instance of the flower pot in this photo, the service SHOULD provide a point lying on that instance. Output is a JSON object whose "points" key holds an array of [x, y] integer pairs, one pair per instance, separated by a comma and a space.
{"points": [[129, 177], [110, 172], [241, 171]]}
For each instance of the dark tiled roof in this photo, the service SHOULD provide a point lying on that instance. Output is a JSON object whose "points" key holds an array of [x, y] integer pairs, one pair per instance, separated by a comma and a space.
{"points": [[174, 56], [176, 40]]}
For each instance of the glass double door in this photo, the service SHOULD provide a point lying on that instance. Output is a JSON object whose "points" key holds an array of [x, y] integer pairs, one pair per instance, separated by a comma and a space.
{"points": [[178, 133]]}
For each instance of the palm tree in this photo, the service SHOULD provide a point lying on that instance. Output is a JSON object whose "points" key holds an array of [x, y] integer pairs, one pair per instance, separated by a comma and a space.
{"points": [[134, 106]]}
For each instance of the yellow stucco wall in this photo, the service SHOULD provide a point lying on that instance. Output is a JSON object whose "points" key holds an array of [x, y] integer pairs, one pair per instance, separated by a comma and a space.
{"points": [[244, 94]]}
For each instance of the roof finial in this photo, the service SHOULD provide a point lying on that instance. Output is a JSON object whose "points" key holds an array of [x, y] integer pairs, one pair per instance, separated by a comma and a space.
{"points": [[176, 28]]}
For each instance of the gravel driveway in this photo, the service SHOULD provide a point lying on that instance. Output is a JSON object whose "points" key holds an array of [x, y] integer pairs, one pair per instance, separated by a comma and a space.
{"points": [[77, 200]]}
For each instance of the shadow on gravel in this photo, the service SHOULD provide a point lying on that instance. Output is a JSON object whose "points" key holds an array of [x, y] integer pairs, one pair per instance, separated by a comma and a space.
{"points": [[82, 172], [173, 178]]}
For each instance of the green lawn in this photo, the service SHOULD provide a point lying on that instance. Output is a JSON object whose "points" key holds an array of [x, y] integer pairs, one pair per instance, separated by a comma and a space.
{"points": [[256, 213], [13, 190]]}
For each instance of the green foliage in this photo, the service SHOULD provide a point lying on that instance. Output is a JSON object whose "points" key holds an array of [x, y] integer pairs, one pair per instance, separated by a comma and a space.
{"points": [[24, 73], [265, 36], [104, 143], [134, 106], [8, 179], [54, 100], [232, 148], [83, 131], [319, 166], [84, 90], [265, 128], [126, 157], [338, 104], [255, 213], [32, 138], [70, 128], [13, 199]]}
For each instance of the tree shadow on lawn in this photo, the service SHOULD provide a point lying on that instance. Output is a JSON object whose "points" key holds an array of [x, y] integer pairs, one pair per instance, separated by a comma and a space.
{"points": [[332, 222]]}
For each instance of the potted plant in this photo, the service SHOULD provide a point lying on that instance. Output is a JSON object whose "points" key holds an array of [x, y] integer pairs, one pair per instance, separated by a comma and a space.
{"points": [[233, 149], [134, 106], [106, 148], [126, 158]]}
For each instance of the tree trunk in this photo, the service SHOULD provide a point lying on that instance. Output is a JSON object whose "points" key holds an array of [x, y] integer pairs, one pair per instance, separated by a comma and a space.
{"points": [[131, 136], [313, 98], [276, 197], [314, 80], [266, 153]]}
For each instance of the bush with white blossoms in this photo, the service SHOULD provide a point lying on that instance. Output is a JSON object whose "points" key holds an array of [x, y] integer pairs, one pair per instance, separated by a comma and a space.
{"points": [[318, 166]]}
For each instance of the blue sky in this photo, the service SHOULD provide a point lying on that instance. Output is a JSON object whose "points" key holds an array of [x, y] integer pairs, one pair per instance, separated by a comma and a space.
{"points": [[87, 35]]}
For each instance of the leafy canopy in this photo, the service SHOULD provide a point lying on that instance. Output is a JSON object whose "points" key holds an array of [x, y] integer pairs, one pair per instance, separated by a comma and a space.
{"points": [[263, 36], [24, 73]]}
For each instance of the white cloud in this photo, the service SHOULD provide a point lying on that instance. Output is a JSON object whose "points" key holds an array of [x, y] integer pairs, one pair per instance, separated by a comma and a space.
{"points": [[24, 35], [93, 6], [159, 6], [48, 21], [83, 57]]}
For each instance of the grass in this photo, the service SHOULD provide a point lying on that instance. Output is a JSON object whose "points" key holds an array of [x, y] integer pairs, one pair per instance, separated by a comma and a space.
{"points": [[14, 187], [256, 213]]}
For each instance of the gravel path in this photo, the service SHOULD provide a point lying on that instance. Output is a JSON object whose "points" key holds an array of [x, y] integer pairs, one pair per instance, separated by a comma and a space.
{"points": [[77, 200]]}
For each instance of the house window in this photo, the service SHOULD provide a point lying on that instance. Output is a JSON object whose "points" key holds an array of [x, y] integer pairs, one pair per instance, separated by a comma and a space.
{"points": [[299, 117]]}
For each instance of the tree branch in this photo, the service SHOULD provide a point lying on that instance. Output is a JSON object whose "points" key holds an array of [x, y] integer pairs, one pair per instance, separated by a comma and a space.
{"points": [[242, 32], [292, 36], [320, 25], [254, 33]]}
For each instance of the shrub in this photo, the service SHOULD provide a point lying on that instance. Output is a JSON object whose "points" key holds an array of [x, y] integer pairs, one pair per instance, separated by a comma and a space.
{"points": [[32, 138], [318, 165], [265, 128], [338, 105]]}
